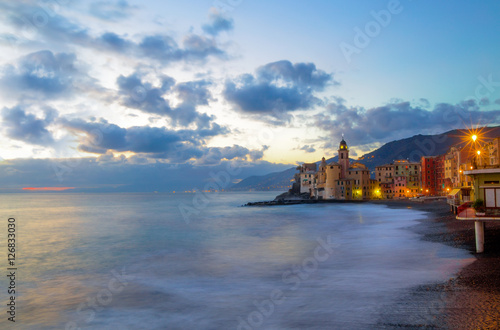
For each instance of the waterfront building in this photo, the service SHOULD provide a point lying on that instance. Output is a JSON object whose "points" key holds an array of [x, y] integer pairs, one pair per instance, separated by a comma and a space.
{"points": [[305, 177], [492, 153], [400, 187], [385, 177], [458, 185], [486, 186], [393, 177], [412, 173], [432, 175], [338, 180]]}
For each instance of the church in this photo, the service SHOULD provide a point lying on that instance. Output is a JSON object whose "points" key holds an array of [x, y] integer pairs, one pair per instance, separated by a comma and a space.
{"points": [[337, 180]]}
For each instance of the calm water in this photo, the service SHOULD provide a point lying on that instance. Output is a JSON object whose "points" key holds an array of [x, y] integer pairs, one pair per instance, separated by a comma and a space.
{"points": [[131, 261]]}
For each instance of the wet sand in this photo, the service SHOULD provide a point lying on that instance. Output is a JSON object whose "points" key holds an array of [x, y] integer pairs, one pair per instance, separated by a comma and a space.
{"points": [[471, 299]]}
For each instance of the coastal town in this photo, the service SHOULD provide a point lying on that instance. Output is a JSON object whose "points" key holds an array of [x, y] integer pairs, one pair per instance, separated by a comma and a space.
{"points": [[463, 174]]}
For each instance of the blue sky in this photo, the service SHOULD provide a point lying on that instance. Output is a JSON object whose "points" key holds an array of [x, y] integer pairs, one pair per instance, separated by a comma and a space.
{"points": [[258, 83]]}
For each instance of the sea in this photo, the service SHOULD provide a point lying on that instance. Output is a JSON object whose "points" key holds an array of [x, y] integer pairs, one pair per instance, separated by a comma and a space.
{"points": [[204, 261]]}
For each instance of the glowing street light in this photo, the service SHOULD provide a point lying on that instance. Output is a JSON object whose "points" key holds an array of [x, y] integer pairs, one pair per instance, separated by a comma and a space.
{"points": [[474, 137], [479, 152]]}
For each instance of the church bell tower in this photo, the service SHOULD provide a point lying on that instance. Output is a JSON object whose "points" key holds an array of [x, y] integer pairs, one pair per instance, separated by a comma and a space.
{"points": [[343, 158]]}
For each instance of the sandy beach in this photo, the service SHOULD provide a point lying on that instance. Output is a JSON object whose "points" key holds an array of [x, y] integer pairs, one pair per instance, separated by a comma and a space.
{"points": [[471, 299]]}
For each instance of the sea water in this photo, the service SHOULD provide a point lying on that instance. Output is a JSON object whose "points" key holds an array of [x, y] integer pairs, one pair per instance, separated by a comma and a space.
{"points": [[191, 261]]}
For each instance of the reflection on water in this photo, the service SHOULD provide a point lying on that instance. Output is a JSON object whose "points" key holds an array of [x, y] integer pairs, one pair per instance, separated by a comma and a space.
{"points": [[130, 261]]}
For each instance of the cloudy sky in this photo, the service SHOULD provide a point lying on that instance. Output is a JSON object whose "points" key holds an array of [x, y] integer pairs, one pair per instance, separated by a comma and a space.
{"points": [[181, 87]]}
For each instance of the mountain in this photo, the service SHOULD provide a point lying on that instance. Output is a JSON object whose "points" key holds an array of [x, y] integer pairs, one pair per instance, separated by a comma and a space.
{"points": [[412, 148], [273, 181], [415, 147]]}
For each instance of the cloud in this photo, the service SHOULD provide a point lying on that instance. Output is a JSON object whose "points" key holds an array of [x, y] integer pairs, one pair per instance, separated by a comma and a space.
{"points": [[484, 101], [111, 11], [165, 49], [137, 93], [42, 74], [101, 137], [215, 155], [55, 29], [399, 120], [174, 146], [218, 23], [277, 88], [112, 41], [23, 126], [308, 148]]}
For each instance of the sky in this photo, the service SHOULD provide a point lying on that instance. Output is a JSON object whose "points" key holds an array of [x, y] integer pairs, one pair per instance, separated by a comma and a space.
{"points": [[117, 93]]}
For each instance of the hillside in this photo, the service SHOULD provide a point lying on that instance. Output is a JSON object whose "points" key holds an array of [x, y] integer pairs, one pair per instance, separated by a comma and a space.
{"points": [[412, 148], [273, 181], [415, 147]]}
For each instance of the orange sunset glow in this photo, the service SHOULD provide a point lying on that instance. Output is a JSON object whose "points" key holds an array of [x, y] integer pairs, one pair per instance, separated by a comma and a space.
{"points": [[48, 188]]}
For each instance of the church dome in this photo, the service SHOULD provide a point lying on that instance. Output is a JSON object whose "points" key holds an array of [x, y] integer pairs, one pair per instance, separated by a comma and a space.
{"points": [[343, 145], [322, 166]]}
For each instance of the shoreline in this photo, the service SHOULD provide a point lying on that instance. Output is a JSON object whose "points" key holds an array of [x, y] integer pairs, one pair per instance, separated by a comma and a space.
{"points": [[470, 299]]}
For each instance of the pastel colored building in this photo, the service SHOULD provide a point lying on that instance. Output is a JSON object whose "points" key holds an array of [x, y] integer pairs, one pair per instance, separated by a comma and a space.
{"points": [[338, 180]]}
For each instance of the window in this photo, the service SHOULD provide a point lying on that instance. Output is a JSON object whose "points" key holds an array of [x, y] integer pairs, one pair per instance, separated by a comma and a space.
{"points": [[492, 197]]}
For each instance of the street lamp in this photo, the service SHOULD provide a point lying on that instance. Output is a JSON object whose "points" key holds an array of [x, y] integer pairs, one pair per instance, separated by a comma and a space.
{"points": [[474, 137]]}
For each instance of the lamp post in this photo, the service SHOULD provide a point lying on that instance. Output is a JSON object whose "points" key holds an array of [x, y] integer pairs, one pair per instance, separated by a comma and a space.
{"points": [[475, 159]]}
